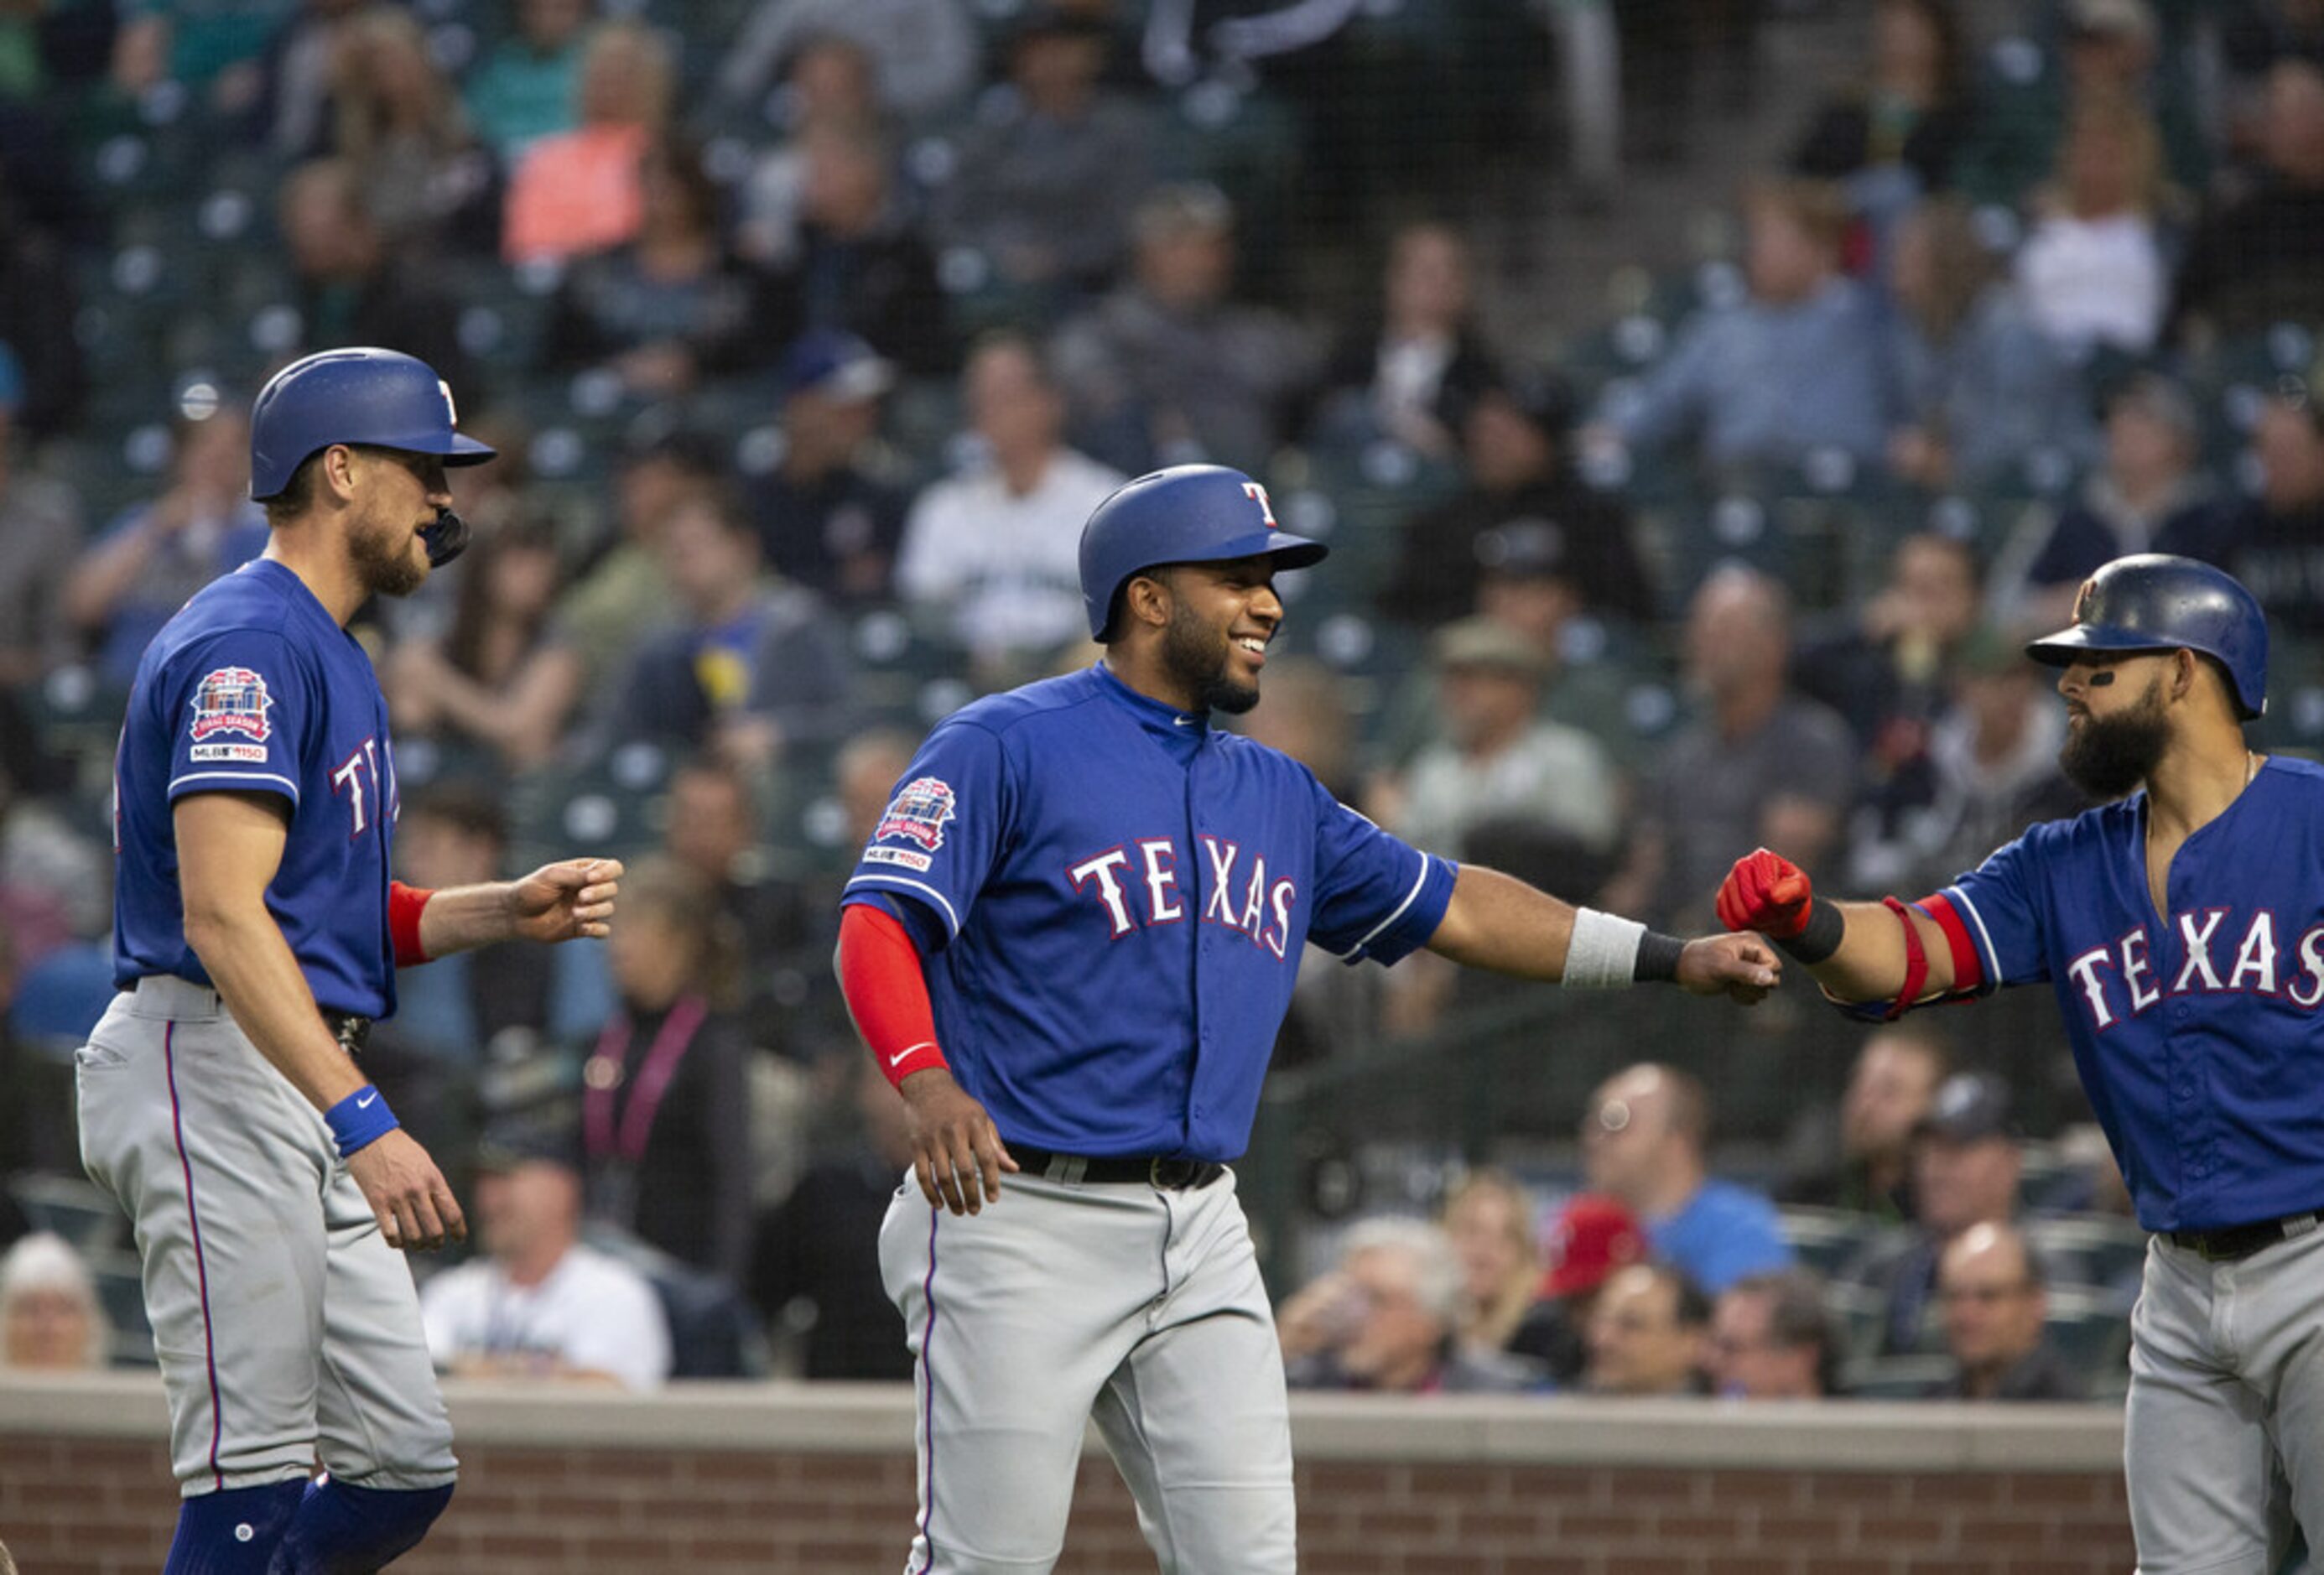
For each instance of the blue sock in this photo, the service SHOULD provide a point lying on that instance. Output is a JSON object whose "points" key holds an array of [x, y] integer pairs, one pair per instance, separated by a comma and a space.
{"points": [[345, 1530], [234, 1531]]}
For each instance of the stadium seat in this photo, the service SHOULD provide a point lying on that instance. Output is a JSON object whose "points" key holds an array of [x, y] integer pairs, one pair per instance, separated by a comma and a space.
{"points": [[1827, 1240]]}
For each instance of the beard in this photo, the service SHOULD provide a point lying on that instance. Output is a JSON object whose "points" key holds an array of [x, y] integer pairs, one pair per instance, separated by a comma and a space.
{"points": [[1196, 655], [384, 561], [2106, 759]]}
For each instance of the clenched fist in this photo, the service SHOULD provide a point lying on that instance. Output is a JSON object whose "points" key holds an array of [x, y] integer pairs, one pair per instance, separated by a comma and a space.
{"points": [[1766, 892]]}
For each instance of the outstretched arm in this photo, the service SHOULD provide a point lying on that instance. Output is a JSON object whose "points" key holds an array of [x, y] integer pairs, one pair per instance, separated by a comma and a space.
{"points": [[1500, 924], [563, 901], [1859, 952]]}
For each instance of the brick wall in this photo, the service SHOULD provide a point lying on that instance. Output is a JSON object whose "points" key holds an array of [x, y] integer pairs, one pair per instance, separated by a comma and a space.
{"points": [[98, 1505]]}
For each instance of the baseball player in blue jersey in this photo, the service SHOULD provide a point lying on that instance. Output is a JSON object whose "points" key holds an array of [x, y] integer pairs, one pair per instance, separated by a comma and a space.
{"points": [[1071, 942], [257, 934], [2182, 929]]}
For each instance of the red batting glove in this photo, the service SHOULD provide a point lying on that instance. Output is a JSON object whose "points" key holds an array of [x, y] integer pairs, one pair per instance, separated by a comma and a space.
{"points": [[1766, 892]]}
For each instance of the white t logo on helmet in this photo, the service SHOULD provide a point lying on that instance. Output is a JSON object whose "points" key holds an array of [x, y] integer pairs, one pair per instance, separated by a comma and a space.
{"points": [[451, 411], [1253, 488]]}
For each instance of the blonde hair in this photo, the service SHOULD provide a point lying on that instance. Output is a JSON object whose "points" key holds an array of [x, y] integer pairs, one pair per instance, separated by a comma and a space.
{"points": [[1489, 1325], [360, 109]]}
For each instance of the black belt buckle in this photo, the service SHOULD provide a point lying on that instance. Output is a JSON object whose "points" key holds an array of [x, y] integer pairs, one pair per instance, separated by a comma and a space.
{"points": [[352, 1032], [1177, 1175]]}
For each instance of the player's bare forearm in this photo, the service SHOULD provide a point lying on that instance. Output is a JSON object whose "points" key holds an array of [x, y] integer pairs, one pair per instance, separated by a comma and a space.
{"points": [[563, 901], [1870, 964], [1498, 923], [229, 846]]}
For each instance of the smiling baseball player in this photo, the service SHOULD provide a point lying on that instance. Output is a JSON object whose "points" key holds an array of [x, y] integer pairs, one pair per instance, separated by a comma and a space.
{"points": [[2182, 929], [1071, 942], [256, 934]]}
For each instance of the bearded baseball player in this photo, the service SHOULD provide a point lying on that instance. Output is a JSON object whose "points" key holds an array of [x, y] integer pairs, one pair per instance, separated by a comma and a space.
{"points": [[1070, 943], [2182, 929], [257, 934]]}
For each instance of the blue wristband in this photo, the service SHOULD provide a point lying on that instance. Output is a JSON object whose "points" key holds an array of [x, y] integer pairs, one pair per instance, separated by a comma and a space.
{"points": [[359, 1120]]}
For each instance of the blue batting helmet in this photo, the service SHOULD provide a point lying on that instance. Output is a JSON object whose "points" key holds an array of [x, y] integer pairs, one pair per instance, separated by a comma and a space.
{"points": [[2154, 602], [1189, 513], [382, 398]]}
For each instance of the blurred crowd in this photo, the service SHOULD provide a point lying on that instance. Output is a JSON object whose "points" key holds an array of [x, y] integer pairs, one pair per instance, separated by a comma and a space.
{"points": [[811, 330]]}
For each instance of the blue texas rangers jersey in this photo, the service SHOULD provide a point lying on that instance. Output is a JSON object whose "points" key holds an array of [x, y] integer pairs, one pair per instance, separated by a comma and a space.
{"points": [[2197, 1031], [1112, 897], [253, 687]]}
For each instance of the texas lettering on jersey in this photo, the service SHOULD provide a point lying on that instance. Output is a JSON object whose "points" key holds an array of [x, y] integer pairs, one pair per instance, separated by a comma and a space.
{"points": [[1141, 890], [2220, 957]]}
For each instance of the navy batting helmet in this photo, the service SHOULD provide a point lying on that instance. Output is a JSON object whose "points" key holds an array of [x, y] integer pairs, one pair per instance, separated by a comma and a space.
{"points": [[381, 398], [1189, 513], [2154, 602]]}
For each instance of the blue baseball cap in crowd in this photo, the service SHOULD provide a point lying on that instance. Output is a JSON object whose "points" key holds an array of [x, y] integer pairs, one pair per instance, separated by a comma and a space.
{"points": [[838, 364]]}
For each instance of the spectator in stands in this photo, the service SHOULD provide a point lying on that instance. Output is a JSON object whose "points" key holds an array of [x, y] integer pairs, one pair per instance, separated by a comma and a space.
{"points": [[862, 267], [40, 535], [1488, 1219], [2258, 258], [2091, 270], [1592, 1239], [49, 1317], [752, 665], [1989, 770], [995, 551], [294, 76], [1795, 366], [2148, 494], [539, 1303], [1888, 669], [827, 519], [814, 1258], [502, 678], [1513, 438], [1316, 725], [717, 831], [2274, 541], [1772, 1338], [1763, 767], [37, 315], [1169, 367], [351, 290], [449, 1011], [530, 86], [672, 307], [2249, 36], [1388, 1319], [396, 119], [1643, 1142], [583, 190], [830, 82], [1967, 1163], [1892, 134], [1869, 1166], [1989, 1284], [1648, 1333], [1985, 389], [2106, 49], [1410, 375], [153, 555], [625, 591], [925, 51], [1048, 174], [666, 1108], [1498, 757]]}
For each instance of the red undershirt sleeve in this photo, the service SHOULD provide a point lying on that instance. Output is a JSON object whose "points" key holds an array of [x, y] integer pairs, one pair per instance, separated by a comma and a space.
{"points": [[880, 974]]}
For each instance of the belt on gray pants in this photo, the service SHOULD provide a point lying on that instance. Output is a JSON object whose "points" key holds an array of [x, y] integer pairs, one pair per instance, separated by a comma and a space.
{"points": [[2229, 1242], [1174, 1173], [352, 1031]]}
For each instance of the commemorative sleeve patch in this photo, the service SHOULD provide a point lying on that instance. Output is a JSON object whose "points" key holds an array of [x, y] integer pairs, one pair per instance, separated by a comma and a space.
{"points": [[231, 702], [918, 814]]}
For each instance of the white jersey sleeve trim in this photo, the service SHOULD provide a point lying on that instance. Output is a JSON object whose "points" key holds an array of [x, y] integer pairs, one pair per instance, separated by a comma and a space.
{"points": [[1410, 898], [922, 886], [288, 786], [1991, 958]]}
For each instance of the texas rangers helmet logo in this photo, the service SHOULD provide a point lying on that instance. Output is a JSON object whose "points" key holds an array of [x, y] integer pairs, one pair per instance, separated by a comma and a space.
{"points": [[919, 814], [2082, 600], [231, 700]]}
